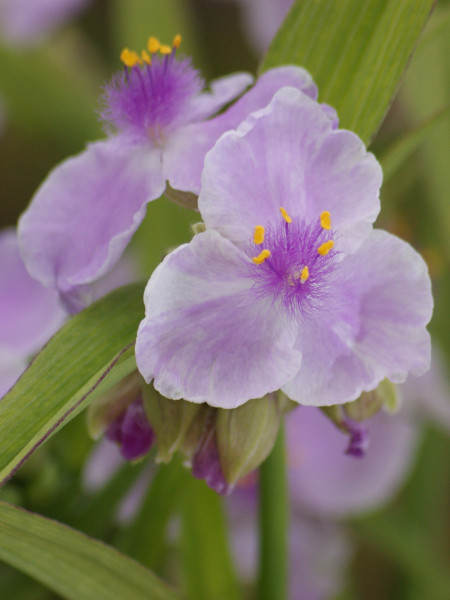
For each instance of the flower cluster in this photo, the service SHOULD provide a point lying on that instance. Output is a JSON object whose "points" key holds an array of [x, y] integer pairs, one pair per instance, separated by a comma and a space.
{"points": [[284, 286]]}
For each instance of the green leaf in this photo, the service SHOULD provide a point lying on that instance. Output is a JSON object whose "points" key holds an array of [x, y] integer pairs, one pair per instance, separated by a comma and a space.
{"points": [[72, 564], [355, 51], [399, 151], [206, 557], [81, 361]]}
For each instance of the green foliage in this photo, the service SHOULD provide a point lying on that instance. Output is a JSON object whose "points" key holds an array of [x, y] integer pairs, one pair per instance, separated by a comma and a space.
{"points": [[72, 564], [355, 51], [72, 369]]}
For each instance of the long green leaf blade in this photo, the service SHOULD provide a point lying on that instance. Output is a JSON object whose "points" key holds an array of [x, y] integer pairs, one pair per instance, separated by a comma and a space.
{"points": [[355, 51], [68, 373], [72, 564]]}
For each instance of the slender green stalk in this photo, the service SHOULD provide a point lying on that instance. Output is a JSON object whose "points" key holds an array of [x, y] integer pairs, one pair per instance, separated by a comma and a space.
{"points": [[273, 524]]}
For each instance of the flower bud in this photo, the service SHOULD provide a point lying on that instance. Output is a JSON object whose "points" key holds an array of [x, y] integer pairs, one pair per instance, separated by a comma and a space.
{"points": [[246, 435], [171, 421], [369, 403]]}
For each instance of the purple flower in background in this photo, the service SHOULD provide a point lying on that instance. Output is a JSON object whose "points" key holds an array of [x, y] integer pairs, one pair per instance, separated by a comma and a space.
{"points": [[29, 313], [85, 213], [28, 21], [289, 287]]}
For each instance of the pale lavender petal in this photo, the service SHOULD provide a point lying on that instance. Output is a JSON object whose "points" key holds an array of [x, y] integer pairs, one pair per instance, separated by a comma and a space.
{"points": [[130, 505], [262, 19], [331, 114], [27, 21], [84, 215], [205, 338], [185, 151], [288, 155], [429, 394], [126, 271], [29, 313], [223, 90], [330, 483], [385, 305]]}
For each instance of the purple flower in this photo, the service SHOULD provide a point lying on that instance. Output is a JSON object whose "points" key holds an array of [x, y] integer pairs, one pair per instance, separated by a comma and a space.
{"points": [[85, 213], [289, 287], [132, 432], [29, 313], [28, 21]]}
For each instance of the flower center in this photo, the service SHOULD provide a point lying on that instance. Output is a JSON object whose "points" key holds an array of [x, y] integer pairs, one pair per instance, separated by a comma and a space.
{"points": [[152, 95], [293, 261]]}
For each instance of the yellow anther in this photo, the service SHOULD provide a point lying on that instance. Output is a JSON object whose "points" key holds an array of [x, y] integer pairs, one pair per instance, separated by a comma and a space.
{"points": [[304, 274], [325, 248], [258, 260], [153, 45], [129, 58], [325, 220], [176, 41], [258, 236], [165, 49], [146, 58], [285, 216]]}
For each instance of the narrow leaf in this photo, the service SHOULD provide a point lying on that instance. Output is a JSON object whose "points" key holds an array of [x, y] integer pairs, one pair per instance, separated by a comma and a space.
{"points": [[398, 152], [355, 51], [81, 361], [72, 564]]}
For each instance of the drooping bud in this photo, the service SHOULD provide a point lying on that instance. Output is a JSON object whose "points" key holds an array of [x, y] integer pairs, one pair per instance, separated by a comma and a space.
{"points": [[171, 421], [108, 407], [246, 435], [357, 432], [132, 432], [206, 462], [119, 414]]}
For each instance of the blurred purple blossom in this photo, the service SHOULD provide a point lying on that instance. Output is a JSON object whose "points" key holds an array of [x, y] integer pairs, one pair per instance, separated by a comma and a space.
{"points": [[312, 300], [132, 432], [24, 22]]}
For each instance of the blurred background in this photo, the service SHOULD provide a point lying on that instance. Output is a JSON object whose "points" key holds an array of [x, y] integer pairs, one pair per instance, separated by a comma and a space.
{"points": [[50, 81]]}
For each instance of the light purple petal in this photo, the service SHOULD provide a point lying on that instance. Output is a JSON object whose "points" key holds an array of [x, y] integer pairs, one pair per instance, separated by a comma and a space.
{"points": [[223, 90], [386, 303], [29, 313], [205, 338], [11, 368], [102, 464], [84, 214], [185, 151], [288, 155], [26, 21], [262, 19], [330, 483]]}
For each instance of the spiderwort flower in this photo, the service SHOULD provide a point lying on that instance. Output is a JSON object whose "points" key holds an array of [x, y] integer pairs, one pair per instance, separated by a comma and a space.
{"points": [[85, 213], [289, 287]]}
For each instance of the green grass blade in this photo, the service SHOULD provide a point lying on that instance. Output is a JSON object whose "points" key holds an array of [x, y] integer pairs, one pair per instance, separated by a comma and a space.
{"points": [[81, 361], [355, 51], [70, 563]]}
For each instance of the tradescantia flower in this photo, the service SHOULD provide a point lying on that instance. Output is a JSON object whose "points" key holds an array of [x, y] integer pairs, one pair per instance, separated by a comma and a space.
{"points": [[159, 130], [289, 286]]}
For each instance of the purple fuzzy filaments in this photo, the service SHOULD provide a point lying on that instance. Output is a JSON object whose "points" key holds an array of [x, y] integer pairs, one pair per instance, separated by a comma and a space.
{"points": [[152, 96], [293, 262]]}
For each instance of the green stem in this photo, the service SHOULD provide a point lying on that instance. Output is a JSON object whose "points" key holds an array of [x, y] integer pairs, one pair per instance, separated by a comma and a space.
{"points": [[273, 524]]}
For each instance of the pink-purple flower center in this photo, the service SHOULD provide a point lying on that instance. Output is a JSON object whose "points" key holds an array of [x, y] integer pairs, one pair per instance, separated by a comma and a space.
{"points": [[293, 262], [152, 96]]}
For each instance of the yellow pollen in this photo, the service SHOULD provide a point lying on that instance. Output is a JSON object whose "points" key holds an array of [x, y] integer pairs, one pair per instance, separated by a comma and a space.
{"points": [[258, 260], [165, 49], [304, 274], [146, 58], [153, 45], [129, 58], [325, 220], [176, 41], [325, 248], [285, 216], [258, 237]]}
